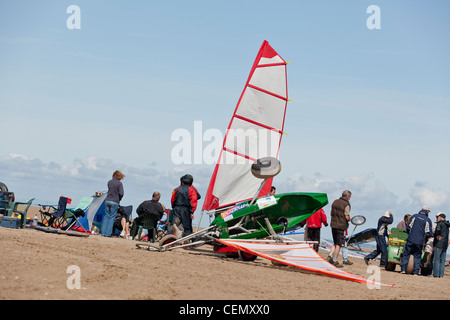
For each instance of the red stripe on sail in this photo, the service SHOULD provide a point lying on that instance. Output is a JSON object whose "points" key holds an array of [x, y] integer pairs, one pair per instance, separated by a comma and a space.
{"points": [[258, 124], [268, 92]]}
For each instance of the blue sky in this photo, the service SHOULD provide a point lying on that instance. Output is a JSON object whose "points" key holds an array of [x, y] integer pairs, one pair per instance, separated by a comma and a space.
{"points": [[370, 109]]}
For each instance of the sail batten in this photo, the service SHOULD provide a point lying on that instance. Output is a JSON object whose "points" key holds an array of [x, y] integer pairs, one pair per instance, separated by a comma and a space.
{"points": [[254, 132], [268, 92], [257, 123]]}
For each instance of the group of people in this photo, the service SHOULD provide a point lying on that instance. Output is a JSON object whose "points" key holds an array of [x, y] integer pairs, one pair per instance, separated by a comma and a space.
{"points": [[184, 203], [421, 233]]}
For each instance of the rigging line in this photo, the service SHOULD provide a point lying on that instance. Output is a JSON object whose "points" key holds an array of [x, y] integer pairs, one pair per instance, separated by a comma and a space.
{"points": [[263, 227]]}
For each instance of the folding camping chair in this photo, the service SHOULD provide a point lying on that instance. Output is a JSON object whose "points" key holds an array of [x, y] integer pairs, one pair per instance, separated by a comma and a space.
{"points": [[6, 202], [58, 216], [168, 226], [23, 213]]}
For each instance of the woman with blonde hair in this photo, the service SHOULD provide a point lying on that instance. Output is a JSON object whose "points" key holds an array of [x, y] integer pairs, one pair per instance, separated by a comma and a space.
{"points": [[115, 194]]}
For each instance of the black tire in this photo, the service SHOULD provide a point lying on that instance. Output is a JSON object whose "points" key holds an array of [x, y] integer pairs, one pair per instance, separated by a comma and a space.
{"points": [[426, 271], [167, 239], [390, 266], [246, 256]]}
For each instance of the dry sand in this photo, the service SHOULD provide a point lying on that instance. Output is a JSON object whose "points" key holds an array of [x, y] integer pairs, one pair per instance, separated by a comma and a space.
{"points": [[34, 266]]}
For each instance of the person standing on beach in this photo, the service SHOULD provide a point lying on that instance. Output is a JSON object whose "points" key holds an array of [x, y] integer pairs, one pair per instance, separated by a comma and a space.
{"points": [[184, 203], [382, 233], [440, 245], [419, 228], [115, 194], [314, 224], [340, 216]]}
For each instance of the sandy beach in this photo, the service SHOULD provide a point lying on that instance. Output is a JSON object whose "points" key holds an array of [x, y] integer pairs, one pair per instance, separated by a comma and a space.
{"points": [[35, 266]]}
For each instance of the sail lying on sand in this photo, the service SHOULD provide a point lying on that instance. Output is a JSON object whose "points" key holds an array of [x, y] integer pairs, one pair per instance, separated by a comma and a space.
{"points": [[300, 255], [254, 132]]}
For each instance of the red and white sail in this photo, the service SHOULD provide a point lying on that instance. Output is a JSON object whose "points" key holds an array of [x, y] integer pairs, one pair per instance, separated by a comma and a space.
{"points": [[299, 255], [254, 132]]}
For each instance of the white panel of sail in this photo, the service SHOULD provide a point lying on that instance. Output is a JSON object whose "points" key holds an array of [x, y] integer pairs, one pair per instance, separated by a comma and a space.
{"points": [[270, 79], [254, 132], [300, 255], [262, 108]]}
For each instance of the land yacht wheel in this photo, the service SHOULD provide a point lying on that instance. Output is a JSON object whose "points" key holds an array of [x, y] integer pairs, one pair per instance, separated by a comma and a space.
{"points": [[246, 256]]}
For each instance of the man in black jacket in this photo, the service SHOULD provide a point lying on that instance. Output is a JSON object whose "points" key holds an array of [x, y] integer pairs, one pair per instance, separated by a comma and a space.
{"points": [[440, 245], [149, 206]]}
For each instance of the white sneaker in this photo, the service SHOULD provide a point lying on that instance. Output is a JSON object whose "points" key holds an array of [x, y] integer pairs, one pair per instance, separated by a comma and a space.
{"points": [[122, 234]]}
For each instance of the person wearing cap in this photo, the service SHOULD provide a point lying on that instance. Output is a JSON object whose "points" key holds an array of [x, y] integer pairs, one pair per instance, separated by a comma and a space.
{"points": [[382, 233], [440, 245], [419, 228]]}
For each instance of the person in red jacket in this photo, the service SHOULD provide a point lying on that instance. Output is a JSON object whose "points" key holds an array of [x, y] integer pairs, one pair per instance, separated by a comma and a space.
{"points": [[314, 224], [184, 203]]}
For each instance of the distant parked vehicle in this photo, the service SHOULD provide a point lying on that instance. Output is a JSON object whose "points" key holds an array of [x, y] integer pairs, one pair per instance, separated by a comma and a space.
{"points": [[6, 200]]}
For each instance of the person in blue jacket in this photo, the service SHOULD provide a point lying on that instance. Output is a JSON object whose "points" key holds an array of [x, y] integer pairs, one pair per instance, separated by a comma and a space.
{"points": [[382, 233], [419, 228]]}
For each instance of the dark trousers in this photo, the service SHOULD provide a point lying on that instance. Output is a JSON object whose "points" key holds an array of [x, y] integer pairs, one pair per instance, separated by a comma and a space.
{"points": [[412, 249], [184, 213], [314, 235], [381, 249]]}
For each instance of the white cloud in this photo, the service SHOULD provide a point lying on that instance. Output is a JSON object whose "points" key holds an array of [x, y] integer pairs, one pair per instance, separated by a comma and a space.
{"points": [[437, 200], [47, 180]]}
